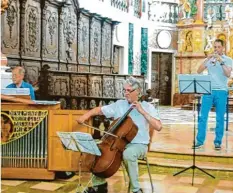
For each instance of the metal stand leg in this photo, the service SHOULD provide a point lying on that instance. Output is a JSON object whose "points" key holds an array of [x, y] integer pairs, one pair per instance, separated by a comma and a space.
{"points": [[148, 168], [80, 188], [194, 142]]}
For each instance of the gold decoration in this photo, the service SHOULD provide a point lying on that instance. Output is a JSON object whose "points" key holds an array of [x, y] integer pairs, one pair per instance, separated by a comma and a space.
{"points": [[4, 5], [17, 123]]}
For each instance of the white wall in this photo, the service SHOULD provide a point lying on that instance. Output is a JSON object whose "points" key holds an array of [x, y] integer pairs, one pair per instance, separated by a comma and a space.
{"points": [[121, 33]]}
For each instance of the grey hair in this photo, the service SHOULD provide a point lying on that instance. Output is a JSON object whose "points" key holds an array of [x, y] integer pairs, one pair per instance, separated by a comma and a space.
{"points": [[20, 69], [133, 82]]}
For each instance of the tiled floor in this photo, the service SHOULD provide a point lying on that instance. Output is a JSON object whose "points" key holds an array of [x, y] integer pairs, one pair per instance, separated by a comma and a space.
{"points": [[162, 184], [176, 136]]}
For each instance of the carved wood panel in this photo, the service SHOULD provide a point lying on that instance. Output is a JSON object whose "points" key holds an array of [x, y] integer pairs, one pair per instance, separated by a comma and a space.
{"points": [[57, 34], [83, 39], [32, 71], [68, 37], [58, 85], [108, 86], [50, 32], [95, 41], [78, 85], [119, 85], [95, 86], [32, 33], [10, 21], [106, 44]]}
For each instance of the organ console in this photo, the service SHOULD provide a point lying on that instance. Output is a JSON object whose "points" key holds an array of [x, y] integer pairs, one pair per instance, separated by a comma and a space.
{"points": [[30, 146]]}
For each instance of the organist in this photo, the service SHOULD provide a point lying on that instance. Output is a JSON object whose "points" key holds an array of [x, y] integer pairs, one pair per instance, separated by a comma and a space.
{"points": [[17, 78]]}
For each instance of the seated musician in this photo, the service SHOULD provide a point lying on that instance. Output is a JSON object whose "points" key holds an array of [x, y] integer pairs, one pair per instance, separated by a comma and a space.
{"points": [[17, 78], [144, 115]]}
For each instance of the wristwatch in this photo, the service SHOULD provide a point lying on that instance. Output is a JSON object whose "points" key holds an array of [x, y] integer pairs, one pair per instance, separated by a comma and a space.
{"points": [[222, 63]]}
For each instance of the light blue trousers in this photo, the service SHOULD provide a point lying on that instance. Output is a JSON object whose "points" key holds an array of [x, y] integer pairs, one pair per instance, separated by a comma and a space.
{"points": [[130, 156], [218, 98]]}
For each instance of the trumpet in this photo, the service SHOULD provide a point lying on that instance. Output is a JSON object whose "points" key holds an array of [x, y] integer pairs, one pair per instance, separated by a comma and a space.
{"points": [[215, 57]]}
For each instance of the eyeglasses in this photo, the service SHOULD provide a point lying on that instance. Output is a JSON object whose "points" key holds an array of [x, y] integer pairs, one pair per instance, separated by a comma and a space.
{"points": [[128, 90]]}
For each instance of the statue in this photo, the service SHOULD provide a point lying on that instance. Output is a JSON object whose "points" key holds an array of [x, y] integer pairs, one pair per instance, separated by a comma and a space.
{"points": [[188, 8], [185, 9], [210, 16], [189, 41], [4, 5], [209, 45]]}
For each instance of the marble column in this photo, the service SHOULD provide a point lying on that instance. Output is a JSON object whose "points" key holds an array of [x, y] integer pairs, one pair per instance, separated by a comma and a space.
{"points": [[200, 15]]}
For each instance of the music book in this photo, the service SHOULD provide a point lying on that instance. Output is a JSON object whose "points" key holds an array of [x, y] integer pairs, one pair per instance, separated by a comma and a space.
{"points": [[79, 141], [15, 91]]}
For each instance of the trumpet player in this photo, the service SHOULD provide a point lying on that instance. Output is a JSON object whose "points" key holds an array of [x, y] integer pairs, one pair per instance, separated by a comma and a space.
{"points": [[219, 67]]}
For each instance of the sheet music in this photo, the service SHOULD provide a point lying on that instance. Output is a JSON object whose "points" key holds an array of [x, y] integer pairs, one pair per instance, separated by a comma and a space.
{"points": [[79, 141], [86, 143], [67, 141]]}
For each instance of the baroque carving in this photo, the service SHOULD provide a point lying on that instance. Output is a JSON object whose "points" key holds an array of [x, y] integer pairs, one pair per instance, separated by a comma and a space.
{"points": [[69, 31], [106, 44], [108, 90], [78, 85], [11, 16], [119, 85], [83, 39], [58, 85], [92, 104], [10, 39], [50, 32], [32, 26], [95, 86], [95, 41], [82, 104]]}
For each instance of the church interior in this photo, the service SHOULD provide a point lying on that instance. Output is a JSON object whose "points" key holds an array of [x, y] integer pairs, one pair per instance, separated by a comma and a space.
{"points": [[76, 55]]}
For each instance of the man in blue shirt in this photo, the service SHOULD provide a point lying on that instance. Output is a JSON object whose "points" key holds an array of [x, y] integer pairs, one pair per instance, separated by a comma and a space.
{"points": [[144, 115], [17, 78], [219, 67]]}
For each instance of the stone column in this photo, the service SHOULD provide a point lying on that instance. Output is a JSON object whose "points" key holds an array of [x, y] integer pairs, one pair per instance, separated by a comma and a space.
{"points": [[200, 15]]}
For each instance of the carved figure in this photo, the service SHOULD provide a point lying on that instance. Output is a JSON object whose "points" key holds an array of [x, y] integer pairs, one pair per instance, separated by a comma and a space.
{"points": [[209, 45], [6, 128], [92, 104], [210, 16], [4, 5], [63, 103], [188, 41], [82, 104], [74, 104], [229, 15], [185, 9]]}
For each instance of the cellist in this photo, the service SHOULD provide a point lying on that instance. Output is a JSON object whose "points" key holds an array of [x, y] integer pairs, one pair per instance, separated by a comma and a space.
{"points": [[144, 115]]}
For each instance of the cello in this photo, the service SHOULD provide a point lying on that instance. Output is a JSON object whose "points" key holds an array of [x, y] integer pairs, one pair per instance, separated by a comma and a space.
{"points": [[122, 131]]}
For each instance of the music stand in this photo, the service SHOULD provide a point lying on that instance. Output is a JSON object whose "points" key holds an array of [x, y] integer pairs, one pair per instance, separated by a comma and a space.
{"points": [[194, 84], [79, 142]]}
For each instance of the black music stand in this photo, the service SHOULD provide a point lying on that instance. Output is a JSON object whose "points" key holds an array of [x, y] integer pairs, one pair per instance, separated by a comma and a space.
{"points": [[194, 84], [79, 142]]}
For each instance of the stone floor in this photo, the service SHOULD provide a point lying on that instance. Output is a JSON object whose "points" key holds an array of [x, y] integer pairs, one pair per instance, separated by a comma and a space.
{"points": [[176, 137], [163, 183]]}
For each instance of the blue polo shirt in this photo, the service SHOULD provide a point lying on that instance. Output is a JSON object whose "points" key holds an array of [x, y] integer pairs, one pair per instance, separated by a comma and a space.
{"points": [[218, 78], [24, 85], [120, 107]]}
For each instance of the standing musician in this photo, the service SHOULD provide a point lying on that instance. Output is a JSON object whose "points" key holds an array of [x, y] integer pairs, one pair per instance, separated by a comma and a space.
{"points": [[144, 115], [219, 67]]}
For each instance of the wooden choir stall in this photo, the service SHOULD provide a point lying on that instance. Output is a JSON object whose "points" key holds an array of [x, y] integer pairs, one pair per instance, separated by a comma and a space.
{"points": [[30, 146]]}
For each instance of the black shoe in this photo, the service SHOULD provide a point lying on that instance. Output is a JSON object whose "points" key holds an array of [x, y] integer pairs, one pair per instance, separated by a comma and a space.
{"points": [[217, 146], [103, 188], [64, 175], [139, 191]]}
